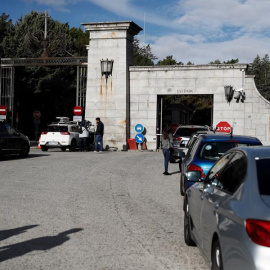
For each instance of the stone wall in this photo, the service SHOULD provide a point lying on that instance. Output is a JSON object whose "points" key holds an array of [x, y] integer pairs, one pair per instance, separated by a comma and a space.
{"points": [[248, 118], [130, 95]]}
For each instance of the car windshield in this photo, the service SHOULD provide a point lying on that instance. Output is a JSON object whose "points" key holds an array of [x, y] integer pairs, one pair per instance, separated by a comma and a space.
{"points": [[187, 132], [263, 175], [57, 128], [214, 150]]}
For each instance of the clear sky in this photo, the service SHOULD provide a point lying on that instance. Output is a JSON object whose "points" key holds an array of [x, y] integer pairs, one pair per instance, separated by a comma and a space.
{"points": [[199, 31]]}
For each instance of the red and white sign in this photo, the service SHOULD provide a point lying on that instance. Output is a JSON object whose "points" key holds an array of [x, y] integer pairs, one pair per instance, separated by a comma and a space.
{"points": [[3, 110], [224, 126], [36, 114], [77, 110]]}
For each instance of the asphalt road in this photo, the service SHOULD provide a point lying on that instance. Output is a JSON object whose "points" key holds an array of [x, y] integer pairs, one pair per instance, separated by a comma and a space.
{"points": [[73, 210]]}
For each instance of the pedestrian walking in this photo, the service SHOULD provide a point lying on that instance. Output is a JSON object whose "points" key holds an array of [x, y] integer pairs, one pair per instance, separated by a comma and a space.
{"points": [[167, 142], [83, 136], [99, 135]]}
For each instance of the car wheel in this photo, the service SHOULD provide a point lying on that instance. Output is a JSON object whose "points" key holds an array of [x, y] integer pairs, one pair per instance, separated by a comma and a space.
{"points": [[187, 228], [73, 146], [216, 256], [24, 150], [44, 148], [182, 192], [63, 149]]}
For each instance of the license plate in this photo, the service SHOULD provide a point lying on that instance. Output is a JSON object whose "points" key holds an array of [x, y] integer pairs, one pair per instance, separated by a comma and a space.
{"points": [[53, 143]]}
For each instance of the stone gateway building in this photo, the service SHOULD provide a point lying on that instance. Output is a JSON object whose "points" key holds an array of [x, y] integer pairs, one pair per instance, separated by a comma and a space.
{"points": [[129, 95]]}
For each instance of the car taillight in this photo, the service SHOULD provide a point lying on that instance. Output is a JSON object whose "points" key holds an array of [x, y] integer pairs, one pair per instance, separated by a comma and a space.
{"points": [[64, 133], [259, 231], [44, 132], [177, 139], [192, 167]]}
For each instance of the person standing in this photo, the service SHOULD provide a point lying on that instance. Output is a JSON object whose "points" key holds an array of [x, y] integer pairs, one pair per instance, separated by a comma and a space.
{"points": [[167, 142], [84, 134], [99, 135]]}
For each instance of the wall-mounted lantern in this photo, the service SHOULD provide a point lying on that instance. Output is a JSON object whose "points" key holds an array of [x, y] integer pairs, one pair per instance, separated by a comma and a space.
{"points": [[229, 92], [106, 68]]}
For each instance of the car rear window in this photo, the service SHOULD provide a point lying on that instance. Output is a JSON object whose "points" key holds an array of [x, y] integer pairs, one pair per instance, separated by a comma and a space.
{"points": [[263, 175], [214, 150], [57, 128], [187, 131]]}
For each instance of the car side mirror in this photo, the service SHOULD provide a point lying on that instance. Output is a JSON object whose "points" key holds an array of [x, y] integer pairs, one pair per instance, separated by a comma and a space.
{"points": [[16, 133], [193, 176]]}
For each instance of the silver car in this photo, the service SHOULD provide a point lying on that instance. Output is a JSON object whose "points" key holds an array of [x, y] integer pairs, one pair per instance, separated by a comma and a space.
{"points": [[228, 214]]}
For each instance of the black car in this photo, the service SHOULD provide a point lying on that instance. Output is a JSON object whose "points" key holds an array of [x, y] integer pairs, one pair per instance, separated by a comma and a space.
{"points": [[12, 141]]}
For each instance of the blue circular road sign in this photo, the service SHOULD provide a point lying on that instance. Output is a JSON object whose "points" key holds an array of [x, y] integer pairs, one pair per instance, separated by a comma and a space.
{"points": [[139, 128], [139, 138]]}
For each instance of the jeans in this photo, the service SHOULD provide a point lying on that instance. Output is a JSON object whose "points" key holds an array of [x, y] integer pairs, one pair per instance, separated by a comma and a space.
{"points": [[83, 143], [99, 139], [166, 154]]}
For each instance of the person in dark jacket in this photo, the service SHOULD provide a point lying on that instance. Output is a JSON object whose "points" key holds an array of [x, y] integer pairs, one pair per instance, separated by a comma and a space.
{"points": [[99, 135]]}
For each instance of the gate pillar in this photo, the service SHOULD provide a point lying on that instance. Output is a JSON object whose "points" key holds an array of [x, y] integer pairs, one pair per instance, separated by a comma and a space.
{"points": [[109, 98]]}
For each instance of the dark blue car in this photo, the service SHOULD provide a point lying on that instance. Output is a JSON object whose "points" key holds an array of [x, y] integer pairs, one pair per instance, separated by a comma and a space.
{"points": [[206, 150]]}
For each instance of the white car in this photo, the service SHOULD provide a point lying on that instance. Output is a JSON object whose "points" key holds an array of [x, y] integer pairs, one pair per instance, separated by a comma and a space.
{"points": [[63, 134]]}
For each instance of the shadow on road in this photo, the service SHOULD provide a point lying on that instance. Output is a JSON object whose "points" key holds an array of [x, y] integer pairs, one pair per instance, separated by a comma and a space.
{"points": [[15, 157], [41, 243], [9, 233]]}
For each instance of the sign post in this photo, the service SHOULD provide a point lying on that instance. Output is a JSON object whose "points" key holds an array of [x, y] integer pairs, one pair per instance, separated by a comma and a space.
{"points": [[3, 112], [224, 126], [77, 111], [139, 128]]}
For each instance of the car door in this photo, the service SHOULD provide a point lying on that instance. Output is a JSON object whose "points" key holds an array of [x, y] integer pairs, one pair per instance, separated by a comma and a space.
{"points": [[13, 139], [223, 180], [3, 137]]}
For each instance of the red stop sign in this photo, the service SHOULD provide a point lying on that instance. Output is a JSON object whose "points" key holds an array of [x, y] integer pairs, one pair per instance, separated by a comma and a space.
{"points": [[77, 110], [224, 126], [3, 110], [36, 114]]}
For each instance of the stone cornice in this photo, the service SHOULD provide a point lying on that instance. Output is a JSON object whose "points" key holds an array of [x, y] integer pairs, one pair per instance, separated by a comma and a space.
{"points": [[188, 67], [129, 26]]}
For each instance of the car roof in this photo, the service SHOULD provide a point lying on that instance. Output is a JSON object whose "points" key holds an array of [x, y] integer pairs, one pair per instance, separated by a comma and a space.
{"points": [[193, 126], [226, 137], [258, 151]]}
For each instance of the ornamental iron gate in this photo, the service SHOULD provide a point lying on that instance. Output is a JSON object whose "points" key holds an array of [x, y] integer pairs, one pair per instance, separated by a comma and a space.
{"points": [[7, 76]]}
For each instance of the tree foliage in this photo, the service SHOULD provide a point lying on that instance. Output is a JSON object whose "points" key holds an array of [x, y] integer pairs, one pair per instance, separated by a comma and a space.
{"points": [[143, 56], [52, 90], [6, 27], [169, 61], [260, 67], [218, 62], [28, 38]]}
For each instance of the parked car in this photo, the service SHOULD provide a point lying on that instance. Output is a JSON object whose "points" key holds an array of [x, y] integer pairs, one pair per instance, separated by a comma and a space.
{"points": [[186, 144], [12, 141], [206, 150], [63, 134], [227, 215], [182, 135]]}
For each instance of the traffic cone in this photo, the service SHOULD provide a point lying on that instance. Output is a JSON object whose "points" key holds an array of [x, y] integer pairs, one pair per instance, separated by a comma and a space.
{"points": [[39, 147]]}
